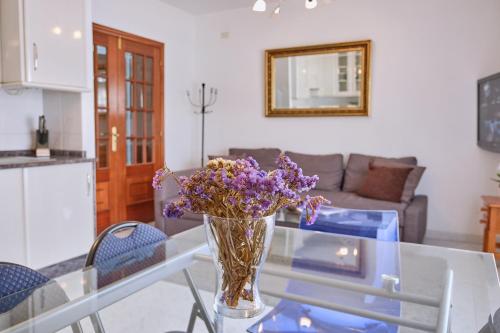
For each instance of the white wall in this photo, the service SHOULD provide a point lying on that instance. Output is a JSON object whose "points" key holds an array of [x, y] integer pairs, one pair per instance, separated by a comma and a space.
{"points": [[19, 119], [427, 57], [159, 21]]}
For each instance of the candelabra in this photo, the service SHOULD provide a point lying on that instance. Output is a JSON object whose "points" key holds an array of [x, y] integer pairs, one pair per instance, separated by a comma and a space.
{"points": [[203, 104]]}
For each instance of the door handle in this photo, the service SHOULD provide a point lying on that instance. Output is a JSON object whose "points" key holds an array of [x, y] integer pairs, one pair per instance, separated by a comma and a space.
{"points": [[114, 139], [89, 184], [35, 57]]}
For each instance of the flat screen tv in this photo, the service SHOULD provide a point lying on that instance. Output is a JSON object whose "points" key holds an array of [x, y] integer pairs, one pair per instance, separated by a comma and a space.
{"points": [[488, 134]]}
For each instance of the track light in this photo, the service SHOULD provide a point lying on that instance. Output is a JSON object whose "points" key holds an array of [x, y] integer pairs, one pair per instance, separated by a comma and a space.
{"points": [[259, 6], [311, 4]]}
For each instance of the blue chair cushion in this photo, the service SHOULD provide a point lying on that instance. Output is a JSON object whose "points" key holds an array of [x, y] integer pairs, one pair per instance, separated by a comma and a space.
{"points": [[16, 284]]}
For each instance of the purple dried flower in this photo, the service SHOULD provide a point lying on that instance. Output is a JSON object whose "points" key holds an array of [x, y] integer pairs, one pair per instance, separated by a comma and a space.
{"points": [[240, 189], [249, 233], [232, 201], [157, 179], [252, 162], [172, 210], [312, 206], [265, 204]]}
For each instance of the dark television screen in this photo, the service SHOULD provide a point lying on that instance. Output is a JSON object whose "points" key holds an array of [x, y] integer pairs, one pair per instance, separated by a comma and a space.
{"points": [[489, 113]]}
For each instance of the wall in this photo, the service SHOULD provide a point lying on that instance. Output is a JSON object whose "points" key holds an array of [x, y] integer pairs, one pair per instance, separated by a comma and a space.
{"points": [[159, 21], [427, 57], [19, 119]]}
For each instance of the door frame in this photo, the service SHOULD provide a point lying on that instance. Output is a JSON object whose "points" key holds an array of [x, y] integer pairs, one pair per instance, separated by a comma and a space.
{"points": [[117, 193]]}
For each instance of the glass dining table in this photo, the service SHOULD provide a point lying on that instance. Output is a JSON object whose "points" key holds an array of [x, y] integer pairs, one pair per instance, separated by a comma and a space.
{"points": [[312, 282]]}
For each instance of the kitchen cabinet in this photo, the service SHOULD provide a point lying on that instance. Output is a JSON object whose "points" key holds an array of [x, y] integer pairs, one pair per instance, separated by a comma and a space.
{"points": [[328, 75], [45, 44], [50, 213], [12, 233]]}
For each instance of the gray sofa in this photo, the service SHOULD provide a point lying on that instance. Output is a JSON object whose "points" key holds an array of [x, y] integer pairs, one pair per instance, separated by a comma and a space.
{"points": [[337, 184]]}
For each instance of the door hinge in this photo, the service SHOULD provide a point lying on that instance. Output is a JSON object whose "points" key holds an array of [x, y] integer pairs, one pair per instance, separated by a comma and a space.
{"points": [[119, 43]]}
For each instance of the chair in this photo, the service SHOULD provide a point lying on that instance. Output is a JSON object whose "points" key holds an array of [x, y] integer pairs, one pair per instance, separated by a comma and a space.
{"points": [[143, 238], [493, 325], [20, 286]]}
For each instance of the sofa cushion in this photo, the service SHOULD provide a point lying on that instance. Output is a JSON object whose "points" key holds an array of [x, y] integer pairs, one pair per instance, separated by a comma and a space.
{"points": [[384, 183], [357, 167], [411, 182], [329, 169], [354, 201], [266, 157]]}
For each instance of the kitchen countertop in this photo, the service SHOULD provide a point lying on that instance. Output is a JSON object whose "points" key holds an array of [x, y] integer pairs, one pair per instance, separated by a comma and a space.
{"points": [[26, 158]]}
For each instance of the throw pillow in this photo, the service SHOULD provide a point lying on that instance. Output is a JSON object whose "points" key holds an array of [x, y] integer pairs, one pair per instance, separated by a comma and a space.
{"points": [[411, 182], [384, 183], [358, 165]]}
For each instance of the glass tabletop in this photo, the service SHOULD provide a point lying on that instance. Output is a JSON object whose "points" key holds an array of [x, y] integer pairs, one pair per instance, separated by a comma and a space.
{"points": [[147, 290], [378, 224]]}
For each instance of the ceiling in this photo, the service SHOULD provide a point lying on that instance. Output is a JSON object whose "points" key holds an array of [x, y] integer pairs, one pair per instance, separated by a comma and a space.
{"points": [[200, 7]]}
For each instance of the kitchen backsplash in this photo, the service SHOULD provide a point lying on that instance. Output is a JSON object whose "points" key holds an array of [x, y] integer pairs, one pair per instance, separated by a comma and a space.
{"points": [[63, 113], [19, 118]]}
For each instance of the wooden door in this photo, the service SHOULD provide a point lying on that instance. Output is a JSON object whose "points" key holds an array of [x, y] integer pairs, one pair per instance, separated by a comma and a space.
{"points": [[128, 81]]}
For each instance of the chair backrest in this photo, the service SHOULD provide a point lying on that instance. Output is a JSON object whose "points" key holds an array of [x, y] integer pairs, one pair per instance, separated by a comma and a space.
{"points": [[108, 245], [15, 278]]}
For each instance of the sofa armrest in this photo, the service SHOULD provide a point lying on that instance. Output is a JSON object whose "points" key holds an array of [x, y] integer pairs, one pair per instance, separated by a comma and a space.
{"points": [[415, 220], [168, 192]]}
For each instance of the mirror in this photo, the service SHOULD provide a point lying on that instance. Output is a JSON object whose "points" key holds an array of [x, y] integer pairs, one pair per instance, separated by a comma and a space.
{"points": [[322, 80]]}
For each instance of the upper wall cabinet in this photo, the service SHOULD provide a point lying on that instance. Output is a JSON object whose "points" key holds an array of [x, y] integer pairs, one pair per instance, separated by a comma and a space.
{"points": [[44, 44]]}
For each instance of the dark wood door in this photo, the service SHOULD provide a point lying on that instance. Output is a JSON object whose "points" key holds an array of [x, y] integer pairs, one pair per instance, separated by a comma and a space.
{"points": [[128, 80]]}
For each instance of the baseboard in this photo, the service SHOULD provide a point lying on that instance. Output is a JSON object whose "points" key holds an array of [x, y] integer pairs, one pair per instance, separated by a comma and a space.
{"points": [[454, 237]]}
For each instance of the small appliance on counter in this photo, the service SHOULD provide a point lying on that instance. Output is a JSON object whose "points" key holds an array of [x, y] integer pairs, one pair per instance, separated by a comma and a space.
{"points": [[42, 139]]}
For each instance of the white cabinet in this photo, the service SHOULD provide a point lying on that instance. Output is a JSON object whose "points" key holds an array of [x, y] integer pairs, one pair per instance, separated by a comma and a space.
{"points": [[12, 232], [45, 43], [60, 214], [47, 213]]}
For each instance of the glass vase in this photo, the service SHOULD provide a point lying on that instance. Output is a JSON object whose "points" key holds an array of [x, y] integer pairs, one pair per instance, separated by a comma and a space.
{"points": [[239, 247]]}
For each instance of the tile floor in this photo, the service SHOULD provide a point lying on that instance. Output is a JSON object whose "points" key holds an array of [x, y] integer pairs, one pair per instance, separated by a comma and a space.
{"points": [[458, 245]]}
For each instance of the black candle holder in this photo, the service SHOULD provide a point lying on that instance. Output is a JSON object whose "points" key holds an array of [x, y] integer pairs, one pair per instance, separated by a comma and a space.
{"points": [[203, 104]]}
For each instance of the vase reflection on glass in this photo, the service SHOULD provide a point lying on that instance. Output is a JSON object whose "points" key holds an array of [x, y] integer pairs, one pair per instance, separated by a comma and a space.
{"points": [[239, 248]]}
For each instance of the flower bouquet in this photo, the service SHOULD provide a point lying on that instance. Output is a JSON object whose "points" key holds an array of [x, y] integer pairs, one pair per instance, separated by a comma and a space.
{"points": [[239, 202]]}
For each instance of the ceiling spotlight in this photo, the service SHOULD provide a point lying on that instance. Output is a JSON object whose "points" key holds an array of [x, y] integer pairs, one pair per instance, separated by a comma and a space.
{"points": [[259, 6], [277, 10], [311, 4]]}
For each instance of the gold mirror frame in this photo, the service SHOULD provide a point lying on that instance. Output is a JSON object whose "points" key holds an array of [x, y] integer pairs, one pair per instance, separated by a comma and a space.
{"points": [[272, 55]]}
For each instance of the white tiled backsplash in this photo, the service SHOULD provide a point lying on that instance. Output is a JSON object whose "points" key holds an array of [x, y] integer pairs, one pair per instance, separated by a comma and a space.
{"points": [[19, 119], [64, 119]]}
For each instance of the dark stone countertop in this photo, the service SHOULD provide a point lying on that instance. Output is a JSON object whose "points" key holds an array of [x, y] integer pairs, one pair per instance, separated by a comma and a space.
{"points": [[11, 159]]}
